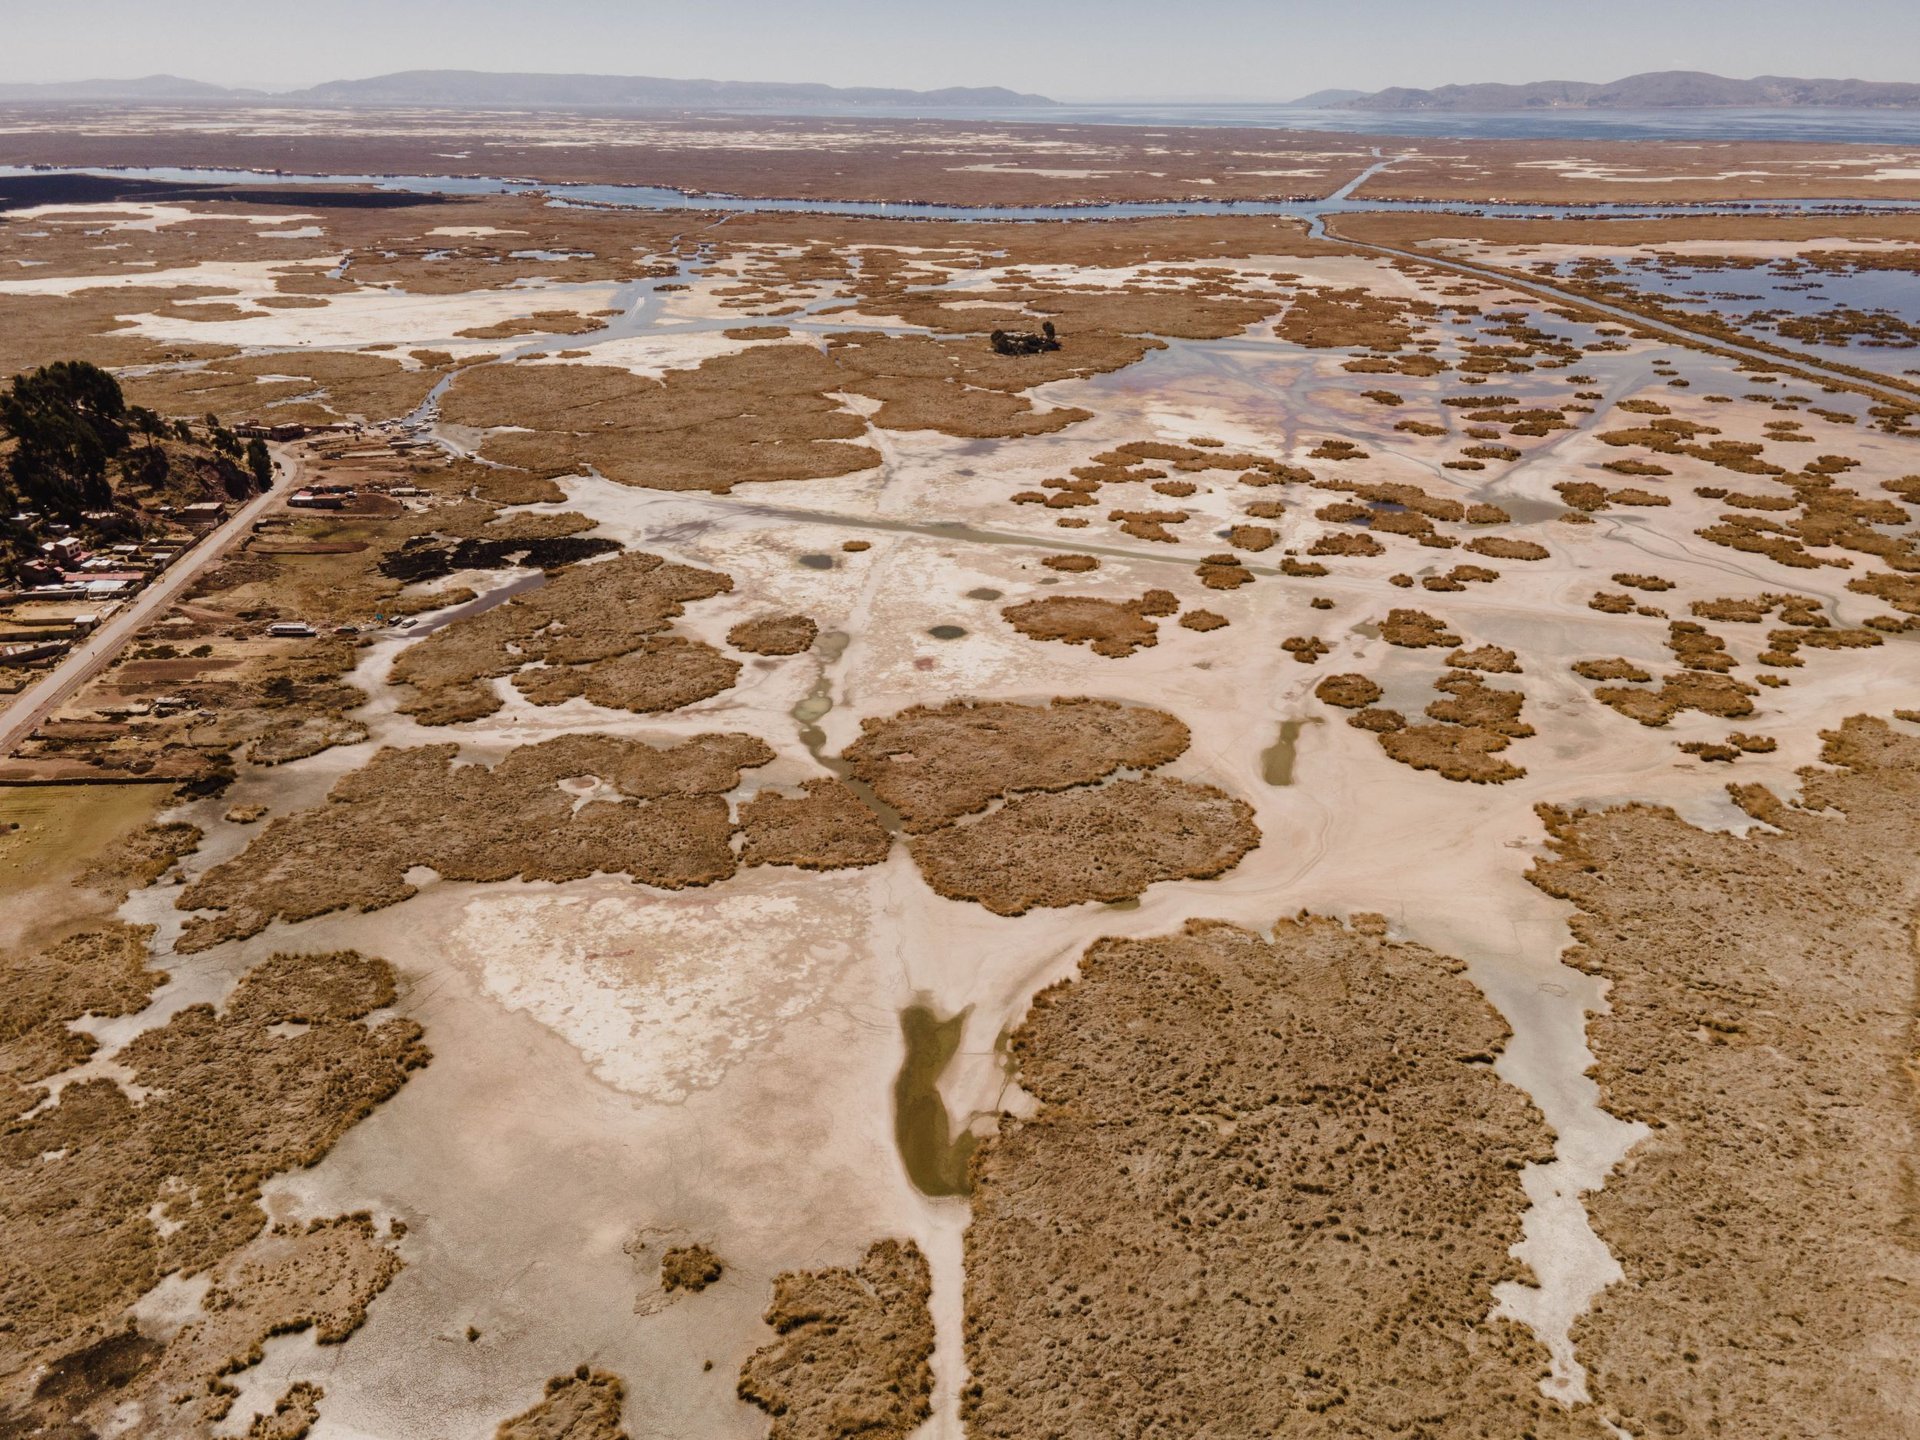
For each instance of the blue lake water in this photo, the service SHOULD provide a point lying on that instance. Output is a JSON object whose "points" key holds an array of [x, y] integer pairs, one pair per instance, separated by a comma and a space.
{"points": [[1754, 298]]}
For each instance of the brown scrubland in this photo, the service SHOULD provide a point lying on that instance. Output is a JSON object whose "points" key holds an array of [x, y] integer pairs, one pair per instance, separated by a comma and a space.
{"points": [[667, 823], [1070, 829], [1760, 1019], [825, 827], [853, 1352], [228, 1102], [1205, 1227], [583, 1405], [593, 629]]}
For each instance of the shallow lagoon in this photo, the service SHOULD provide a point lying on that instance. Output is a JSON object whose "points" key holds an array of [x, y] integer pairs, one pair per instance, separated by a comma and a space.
{"points": [[1743, 296]]}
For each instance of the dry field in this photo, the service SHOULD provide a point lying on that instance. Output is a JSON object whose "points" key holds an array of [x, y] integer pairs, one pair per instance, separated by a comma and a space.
{"points": [[1643, 172], [1350, 826], [947, 162], [972, 162]]}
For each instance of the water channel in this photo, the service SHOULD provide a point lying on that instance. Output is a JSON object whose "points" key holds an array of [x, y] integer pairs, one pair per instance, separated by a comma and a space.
{"points": [[660, 197]]}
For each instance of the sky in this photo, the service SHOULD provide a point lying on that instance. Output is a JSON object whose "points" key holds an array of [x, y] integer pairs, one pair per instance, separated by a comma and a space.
{"points": [[1068, 49]]}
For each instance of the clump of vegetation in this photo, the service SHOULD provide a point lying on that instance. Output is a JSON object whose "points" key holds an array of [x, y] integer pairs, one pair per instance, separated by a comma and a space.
{"points": [[690, 1267], [1350, 692]]}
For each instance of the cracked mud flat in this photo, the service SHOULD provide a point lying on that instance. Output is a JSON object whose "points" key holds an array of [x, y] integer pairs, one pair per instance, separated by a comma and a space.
{"points": [[661, 952]]}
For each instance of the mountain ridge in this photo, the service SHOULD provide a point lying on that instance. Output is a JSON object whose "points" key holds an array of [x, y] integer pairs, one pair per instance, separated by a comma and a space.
{"points": [[1335, 99], [530, 89], [1651, 90], [145, 87]]}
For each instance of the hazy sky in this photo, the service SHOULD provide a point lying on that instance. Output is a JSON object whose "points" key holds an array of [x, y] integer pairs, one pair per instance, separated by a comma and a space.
{"points": [[1070, 49]]}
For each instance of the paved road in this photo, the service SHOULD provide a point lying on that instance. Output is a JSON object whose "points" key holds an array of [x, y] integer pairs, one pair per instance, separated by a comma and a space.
{"points": [[100, 649]]}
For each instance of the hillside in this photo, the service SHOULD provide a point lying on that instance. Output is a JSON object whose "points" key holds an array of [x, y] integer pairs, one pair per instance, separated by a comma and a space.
{"points": [[78, 462], [1655, 90], [531, 90], [144, 88], [1326, 100]]}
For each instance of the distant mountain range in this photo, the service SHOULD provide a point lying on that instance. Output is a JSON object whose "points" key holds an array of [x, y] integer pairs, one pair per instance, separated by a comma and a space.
{"points": [[1327, 100], [531, 91], [148, 87], [466, 89], [1656, 90]]}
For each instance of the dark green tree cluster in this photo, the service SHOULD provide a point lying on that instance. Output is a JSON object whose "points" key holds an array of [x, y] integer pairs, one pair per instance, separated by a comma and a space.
{"points": [[259, 464], [66, 421], [252, 455]]}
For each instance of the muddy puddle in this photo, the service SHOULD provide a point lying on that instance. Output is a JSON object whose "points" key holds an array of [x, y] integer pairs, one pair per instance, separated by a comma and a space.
{"points": [[935, 1157], [814, 708], [1525, 510], [1276, 761]]}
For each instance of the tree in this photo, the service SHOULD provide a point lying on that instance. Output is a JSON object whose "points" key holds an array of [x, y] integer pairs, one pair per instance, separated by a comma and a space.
{"points": [[260, 463], [147, 466], [150, 425], [65, 421]]}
